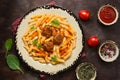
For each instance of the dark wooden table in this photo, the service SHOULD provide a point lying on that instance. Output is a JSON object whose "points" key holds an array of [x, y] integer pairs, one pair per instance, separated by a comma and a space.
{"points": [[12, 9]]}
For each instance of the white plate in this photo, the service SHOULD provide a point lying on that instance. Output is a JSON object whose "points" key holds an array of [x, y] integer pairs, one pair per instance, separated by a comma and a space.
{"points": [[49, 68]]}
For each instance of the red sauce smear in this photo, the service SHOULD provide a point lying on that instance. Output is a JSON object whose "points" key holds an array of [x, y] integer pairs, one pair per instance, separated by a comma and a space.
{"points": [[107, 14]]}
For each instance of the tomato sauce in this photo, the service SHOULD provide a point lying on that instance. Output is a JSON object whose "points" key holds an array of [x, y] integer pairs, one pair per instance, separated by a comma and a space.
{"points": [[107, 14]]}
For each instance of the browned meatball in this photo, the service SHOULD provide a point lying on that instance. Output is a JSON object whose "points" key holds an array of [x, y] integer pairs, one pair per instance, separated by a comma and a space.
{"points": [[58, 38], [48, 46], [47, 31]]}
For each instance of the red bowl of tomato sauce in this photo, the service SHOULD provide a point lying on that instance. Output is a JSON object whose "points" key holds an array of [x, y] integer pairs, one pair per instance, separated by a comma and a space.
{"points": [[108, 14]]}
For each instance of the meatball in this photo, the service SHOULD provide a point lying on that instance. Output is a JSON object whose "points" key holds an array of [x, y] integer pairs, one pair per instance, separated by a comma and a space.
{"points": [[58, 38], [48, 46], [47, 31]]}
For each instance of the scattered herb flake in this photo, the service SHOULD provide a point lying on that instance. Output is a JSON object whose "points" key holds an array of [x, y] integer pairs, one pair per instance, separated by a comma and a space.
{"points": [[35, 41], [54, 58], [32, 28], [39, 46], [8, 44], [55, 22]]}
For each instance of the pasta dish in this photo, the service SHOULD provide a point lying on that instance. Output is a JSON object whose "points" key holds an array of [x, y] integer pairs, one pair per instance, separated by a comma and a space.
{"points": [[50, 38]]}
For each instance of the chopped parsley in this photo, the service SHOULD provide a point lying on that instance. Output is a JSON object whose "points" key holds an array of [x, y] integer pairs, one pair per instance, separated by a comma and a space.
{"points": [[54, 58], [55, 22], [39, 46], [35, 41], [32, 28]]}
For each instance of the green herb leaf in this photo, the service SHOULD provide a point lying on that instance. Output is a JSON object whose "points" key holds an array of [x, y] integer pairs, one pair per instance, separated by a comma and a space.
{"points": [[35, 41], [39, 46], [54, 58], [55, 22], [32, 28], [13, 62], [8, 44]]}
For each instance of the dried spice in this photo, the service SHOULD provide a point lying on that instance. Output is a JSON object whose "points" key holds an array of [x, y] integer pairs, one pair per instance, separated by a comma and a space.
{"points": [[86, 71], [108, 51]]}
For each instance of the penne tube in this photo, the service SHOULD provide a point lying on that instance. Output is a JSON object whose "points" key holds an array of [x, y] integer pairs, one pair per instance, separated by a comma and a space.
{"points": [[60, 60], [42, 60], [36, 16]]}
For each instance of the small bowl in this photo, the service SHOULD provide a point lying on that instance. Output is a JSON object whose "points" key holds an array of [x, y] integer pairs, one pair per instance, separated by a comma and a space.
{"points": [[86, 71], [108, 15], [108, 51]]}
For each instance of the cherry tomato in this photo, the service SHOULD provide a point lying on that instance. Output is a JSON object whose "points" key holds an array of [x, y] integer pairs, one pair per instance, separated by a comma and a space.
{"points": [[93, 41], [84, 15]]}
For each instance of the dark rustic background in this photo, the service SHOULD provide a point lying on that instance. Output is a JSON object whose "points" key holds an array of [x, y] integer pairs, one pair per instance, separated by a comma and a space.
{"points": [[12, 9]]}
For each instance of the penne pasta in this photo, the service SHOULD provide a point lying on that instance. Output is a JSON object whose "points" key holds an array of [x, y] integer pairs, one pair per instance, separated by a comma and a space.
{"points": [[49, 38]]}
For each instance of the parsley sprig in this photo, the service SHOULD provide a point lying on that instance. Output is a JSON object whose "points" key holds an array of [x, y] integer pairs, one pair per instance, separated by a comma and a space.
{"points": [[12, 60], [55, 23]]}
